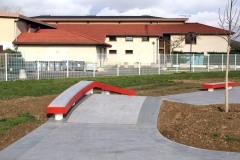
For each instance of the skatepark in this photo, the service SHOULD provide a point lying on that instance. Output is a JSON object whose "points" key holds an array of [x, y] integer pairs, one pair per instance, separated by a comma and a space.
{"points": [[110, 126]]}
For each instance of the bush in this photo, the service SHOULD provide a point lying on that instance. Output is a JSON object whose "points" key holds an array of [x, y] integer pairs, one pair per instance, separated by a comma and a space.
{"points": [[232, 52], [9, 50], [181, 52]]}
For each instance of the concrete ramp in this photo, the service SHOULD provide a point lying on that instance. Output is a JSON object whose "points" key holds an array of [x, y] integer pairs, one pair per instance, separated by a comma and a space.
{"points": [[110, 109]]}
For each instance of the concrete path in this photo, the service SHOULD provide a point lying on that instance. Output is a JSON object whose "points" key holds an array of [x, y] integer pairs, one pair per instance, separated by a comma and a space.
{"points": [[205, 97], [118, 128]]}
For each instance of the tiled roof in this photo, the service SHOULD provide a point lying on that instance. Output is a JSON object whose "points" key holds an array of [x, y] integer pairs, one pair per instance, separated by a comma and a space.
{"points": [[100, 31], [96, 33], [56, 36]]}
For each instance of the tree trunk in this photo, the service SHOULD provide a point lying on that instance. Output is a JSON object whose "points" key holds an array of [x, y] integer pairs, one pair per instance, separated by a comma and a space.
{"points": [[226, 80]]}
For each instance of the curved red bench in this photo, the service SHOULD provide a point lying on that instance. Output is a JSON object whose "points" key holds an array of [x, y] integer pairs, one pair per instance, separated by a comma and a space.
{"points": [[63, 103], [212, 86]]}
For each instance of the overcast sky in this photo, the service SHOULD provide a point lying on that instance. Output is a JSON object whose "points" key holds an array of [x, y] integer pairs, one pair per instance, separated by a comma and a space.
{"points": [[202, 11]]}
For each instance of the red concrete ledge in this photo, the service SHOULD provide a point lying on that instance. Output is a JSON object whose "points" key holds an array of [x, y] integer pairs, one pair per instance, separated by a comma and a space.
{"points": [[63, 103], [212, 86]]}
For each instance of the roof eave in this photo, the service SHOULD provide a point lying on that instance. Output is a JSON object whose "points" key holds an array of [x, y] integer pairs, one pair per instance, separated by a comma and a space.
{"points": [[60, 43], [19, 16], [113, 20]]}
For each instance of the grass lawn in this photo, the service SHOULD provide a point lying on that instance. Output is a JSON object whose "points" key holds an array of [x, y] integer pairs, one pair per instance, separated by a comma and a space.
{"points": [[14, 89]]}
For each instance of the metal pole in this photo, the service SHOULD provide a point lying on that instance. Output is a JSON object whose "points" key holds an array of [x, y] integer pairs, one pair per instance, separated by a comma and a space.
{"points": [[208, 61], [235, 62], [139, 68], [159, 67], [38, 66], [118, 64], [67, 68], [6, 75], [193, 62], [222, 62], [153, 43], [191, 56], [177, 63], [118, 68], [191, 40], [94, 69]]}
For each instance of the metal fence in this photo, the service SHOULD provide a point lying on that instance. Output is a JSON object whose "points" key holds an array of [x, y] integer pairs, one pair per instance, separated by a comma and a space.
{"points": [[14, 66]]}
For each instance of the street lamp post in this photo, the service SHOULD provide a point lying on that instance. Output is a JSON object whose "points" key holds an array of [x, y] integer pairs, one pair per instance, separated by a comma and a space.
{"points": [[190, 34]]}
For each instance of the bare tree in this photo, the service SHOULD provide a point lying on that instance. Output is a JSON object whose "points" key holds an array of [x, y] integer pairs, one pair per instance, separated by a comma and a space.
{"points": [[5, 9], [229, 21], [18, 10], [176, 43]]}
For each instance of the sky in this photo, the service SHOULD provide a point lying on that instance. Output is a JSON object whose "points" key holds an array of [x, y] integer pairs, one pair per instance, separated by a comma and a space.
{"points": [[202, 11]]}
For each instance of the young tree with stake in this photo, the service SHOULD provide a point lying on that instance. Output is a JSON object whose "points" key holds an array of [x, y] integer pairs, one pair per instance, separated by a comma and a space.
{"points": [[229, 21]]}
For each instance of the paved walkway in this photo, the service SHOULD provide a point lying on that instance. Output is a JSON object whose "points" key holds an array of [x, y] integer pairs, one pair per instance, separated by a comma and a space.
{"points": [[118, 128]]}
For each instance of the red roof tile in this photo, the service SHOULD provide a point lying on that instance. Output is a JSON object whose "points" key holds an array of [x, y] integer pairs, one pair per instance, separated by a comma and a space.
{"points": [[100, 31], [56, 36], [81, 33]]}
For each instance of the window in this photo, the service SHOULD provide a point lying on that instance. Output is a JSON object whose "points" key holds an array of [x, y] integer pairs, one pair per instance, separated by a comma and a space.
{"points": [[145, 38], [129, 38], [112, 51], [128, 51], [189, 38], [112, 38]]}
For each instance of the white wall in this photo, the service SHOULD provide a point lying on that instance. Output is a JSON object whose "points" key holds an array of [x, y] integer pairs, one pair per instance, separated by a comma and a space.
{"points": [[59, 53], [205, 43], [143, 51]]}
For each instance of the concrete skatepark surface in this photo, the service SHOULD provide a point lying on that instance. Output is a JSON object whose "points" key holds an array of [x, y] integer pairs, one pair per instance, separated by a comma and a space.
{"points": [[113, 127]]}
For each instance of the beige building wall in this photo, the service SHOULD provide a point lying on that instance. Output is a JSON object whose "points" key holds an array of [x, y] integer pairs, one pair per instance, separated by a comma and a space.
{"points": [[143, 51], [7, 32], [205, 43]]}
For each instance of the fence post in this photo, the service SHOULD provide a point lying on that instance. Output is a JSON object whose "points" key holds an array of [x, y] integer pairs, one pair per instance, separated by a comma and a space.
{"points": [[222, 62], [139, 68], [67, 68], [159, 63], [193, 62], [38, 66], [118, 68], [208, 65], [94, 69], [6, 74], [235, 62], [177, 63]]}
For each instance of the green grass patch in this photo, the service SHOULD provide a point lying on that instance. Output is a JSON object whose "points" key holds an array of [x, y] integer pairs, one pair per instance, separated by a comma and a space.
{"points": [[231, 139], [215, 135], [5, 124], [14, 89]]}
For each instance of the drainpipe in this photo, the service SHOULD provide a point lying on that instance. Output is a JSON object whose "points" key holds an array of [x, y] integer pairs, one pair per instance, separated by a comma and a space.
{"points": [[15, 29]]}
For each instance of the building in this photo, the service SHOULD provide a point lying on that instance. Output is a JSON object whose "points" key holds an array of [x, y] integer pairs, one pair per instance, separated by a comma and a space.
{"points": [[107, 39]]}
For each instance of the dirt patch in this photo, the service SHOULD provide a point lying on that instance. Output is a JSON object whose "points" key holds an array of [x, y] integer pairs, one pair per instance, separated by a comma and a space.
{"points": [[166, 89], [36, 106], [206, 127]]}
